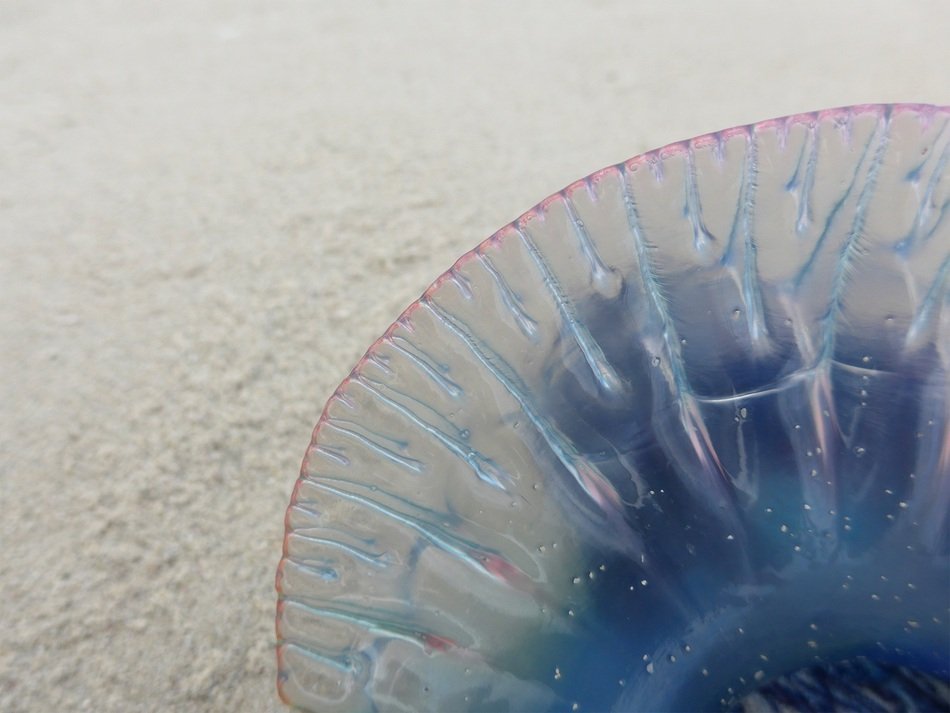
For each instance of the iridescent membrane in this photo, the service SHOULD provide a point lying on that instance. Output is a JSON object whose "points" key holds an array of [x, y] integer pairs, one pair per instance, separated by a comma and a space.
{"points": [[676, 435]]}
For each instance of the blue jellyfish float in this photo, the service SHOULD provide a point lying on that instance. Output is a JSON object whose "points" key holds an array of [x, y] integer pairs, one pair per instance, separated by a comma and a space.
{"points": [[675, 439]]}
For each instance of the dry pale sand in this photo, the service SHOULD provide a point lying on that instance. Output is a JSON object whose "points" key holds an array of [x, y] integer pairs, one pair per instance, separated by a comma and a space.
{"points": [[208, 210]]}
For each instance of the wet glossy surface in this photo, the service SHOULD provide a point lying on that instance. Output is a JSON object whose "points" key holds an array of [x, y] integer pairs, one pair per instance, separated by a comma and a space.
{"points": [[679, 430]]}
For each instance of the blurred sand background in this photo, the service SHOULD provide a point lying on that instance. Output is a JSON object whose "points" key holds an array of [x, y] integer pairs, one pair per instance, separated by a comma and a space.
{"points": [[208, 210]]}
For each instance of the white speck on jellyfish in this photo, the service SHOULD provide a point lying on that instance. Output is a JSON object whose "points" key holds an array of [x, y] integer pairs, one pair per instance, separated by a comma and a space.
{"points": [[913, 623], [575, 707], [672, 658], [643, 583], [806, 506], [705, 672], [783, 528], [859, 451], [650, 667], [812, 644], [759, 675], [576, 580], [557, 673], [570, 612], [763, 657], [730, 537], [656, 361], [813, 627], [902, 505], [875, 597]]}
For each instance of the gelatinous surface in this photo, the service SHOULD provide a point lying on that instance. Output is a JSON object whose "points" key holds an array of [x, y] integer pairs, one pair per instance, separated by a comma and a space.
{"points": [[677, 432]]}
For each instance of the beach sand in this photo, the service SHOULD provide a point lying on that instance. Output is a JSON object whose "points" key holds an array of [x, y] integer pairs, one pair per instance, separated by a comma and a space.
{"points": [[208, 211]]}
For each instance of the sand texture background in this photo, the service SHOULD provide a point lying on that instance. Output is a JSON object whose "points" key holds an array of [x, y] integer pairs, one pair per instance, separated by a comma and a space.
{"points": [[209, 210]]}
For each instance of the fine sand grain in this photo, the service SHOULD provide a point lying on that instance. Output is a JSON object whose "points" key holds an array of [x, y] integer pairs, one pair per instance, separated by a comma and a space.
{"points": [[208, 210]]}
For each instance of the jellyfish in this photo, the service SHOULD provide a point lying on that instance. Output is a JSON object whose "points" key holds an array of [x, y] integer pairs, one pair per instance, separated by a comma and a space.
{"points": [[675, 439]]}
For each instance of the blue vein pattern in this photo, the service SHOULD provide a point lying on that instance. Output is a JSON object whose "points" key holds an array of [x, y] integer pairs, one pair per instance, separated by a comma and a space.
{"points": [[676, 439]]}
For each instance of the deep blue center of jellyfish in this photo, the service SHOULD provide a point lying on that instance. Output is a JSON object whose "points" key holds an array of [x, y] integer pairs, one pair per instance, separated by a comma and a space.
{"points": [[789, 594]]}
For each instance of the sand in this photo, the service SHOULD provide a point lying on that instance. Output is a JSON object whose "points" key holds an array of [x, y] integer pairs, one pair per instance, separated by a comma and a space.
{"points": [[209, 210]]}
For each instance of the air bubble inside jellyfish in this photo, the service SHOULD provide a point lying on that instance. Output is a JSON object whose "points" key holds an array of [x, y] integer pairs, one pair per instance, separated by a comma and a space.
{"points": [[675, 439]]}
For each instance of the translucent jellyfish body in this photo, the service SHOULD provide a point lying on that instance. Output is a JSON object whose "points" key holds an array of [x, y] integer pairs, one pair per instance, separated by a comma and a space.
{"points": [[679, 431]]}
